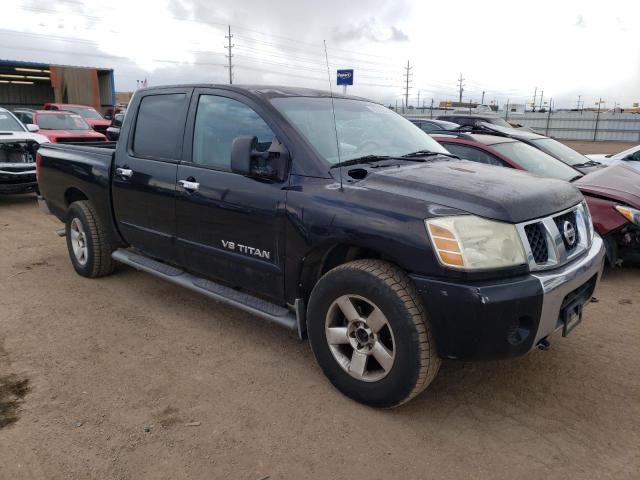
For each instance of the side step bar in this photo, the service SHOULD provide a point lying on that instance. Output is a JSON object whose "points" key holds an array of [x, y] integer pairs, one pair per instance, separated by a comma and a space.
{"points": [[257, 306]]}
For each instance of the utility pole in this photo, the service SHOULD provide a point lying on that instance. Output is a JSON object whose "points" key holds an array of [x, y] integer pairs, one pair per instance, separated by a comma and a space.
{"points": [[431, 108], [541, 97], [578, 104], [408, 76], [482, 101], [418, 98], [533, 104], [595, 129], [229, 46], [460, 87]]}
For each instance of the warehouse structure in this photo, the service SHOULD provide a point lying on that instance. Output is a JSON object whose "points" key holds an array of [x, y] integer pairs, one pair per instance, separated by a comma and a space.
{"points": [[30, 85]]}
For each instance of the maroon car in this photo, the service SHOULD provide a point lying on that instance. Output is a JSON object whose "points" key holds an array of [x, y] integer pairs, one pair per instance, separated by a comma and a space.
{"points": [[90, 115], [612, 193]]}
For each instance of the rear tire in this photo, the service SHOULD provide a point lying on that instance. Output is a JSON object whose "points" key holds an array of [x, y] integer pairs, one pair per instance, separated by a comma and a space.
{"points": [[87, 241], [381, 351]]}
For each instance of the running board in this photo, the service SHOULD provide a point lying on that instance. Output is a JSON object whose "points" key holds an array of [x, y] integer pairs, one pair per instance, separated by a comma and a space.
{"points": [[257, 306]]}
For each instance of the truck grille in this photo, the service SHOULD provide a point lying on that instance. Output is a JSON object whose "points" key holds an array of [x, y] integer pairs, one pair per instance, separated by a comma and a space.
{"points": [[555, 240], [537, 241]]}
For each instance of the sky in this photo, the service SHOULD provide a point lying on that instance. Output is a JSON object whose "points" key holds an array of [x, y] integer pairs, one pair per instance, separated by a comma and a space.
{"points": [[507, 49]]}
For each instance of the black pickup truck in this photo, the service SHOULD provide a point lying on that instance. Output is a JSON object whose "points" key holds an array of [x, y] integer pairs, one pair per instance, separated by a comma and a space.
{"points": [[335, 217]]}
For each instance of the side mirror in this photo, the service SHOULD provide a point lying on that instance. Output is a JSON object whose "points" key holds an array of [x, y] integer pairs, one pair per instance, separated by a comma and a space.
{"points": [[33, 128], [247, 160]]}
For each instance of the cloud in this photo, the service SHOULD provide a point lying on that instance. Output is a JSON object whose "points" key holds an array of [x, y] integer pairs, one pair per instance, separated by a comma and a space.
{"points": [[369, 31]]}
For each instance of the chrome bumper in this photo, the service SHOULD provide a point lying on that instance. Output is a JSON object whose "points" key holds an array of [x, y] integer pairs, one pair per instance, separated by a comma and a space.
{"points": [[558, 283]]}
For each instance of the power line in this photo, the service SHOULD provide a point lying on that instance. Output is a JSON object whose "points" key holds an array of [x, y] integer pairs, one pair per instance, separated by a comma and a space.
{"points": [[230, 56]]}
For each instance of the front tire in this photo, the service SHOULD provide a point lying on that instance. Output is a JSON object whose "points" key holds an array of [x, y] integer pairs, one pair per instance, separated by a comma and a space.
{"points": [[87, 241], [370, 334]]}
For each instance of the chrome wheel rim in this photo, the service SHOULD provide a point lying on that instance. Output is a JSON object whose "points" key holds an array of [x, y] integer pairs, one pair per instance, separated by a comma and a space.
{"points": [[360, 338], [78, 241]]}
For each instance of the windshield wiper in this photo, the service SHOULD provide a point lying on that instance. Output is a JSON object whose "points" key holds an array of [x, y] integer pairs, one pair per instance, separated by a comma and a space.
{"points": [[359, 160], [590, 163], [428, 153]]}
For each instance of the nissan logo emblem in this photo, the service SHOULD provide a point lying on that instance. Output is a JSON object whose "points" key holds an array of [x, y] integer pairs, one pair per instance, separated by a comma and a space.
{"points": [[569, 233]]}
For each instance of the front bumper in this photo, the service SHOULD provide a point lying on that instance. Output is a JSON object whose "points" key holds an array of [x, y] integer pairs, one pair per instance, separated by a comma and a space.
{"points": [[17, 178], [507, 318]]}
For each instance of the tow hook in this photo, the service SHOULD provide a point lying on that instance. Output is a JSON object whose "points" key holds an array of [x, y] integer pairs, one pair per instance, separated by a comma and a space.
{"points": [[544, 344]]}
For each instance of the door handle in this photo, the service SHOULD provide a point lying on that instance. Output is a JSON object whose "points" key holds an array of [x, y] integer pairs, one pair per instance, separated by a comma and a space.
{"points": [[187, 185], [124, 172]]}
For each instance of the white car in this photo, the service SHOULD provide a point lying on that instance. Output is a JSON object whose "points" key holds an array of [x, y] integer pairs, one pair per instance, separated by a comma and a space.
{"points": [[629, 157], [18, 146]]}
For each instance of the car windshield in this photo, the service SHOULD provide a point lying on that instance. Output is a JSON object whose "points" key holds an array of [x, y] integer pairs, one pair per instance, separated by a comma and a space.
{"points": [[498, 121], [629, 151], [8, 123], [86, 112], [560, 151], [536, 161], [61, 121], [363, 128]]}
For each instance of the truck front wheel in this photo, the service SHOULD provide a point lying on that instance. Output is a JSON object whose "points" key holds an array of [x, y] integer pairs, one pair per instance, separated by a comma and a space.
{"points": [[87, 241], [370, 335]]}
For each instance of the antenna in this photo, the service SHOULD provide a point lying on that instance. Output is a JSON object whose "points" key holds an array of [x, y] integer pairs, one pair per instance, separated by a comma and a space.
{"points": [[333, 111]]}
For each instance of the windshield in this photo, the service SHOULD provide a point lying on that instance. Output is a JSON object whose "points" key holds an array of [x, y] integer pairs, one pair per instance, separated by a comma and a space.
{"points": [[8, 123], [560, 151], [536, 161], [624, 153], [86, 112], [61, 121], [364, 128], [498, 121]]}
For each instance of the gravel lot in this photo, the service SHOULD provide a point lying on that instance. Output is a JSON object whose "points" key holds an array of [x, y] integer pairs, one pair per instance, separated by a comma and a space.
{"points": [[129, 377]]}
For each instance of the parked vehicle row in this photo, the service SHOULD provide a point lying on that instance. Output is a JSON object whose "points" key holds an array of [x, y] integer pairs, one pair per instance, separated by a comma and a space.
{"points": [[335, 217], [60, 126]]}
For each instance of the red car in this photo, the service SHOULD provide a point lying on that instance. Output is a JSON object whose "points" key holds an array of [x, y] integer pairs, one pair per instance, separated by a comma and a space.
{"points": [[64, 127], [91, 116], [613, 193]]}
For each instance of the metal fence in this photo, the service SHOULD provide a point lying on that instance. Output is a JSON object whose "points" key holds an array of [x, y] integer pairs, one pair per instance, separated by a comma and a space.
{"points": [[584, 125]]}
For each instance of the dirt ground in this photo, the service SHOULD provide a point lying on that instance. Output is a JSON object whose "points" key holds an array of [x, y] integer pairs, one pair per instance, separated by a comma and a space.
{"points": [[587, 147], [129, 377]]}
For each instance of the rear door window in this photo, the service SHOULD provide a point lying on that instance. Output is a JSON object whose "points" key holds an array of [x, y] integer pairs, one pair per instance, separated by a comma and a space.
{"points": [[159, 126], [473, 154]]}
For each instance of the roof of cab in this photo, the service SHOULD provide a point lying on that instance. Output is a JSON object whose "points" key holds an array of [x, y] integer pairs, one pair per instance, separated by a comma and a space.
{"points": [[265, 91]]}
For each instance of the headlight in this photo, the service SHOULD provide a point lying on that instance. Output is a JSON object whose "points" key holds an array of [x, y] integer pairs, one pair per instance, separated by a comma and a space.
{"points": [[631, 214], [467, 242], [588, 222]]}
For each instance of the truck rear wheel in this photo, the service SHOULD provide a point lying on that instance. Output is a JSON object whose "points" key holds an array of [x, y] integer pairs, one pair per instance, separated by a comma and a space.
{"points": [[370, 335], [87, 241]]}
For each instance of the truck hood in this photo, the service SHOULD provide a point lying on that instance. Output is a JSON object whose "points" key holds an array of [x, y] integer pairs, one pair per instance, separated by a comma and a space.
{"points": [[488, 191], [21, 137], [54, 134], [617, 182]]}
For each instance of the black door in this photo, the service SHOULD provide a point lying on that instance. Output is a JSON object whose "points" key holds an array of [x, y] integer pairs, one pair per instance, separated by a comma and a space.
{"points": [[144, 180], [229, 226]]}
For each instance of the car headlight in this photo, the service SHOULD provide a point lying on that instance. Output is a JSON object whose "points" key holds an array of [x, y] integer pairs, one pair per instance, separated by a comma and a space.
{"points": [[631, 214], [587, 221], [467, 242]]}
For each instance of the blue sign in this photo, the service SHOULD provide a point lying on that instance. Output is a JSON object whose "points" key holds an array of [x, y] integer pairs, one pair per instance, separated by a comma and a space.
{"points": [[345, 77]]}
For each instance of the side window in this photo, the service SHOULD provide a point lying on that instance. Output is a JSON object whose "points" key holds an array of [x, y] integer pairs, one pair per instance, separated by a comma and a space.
{"points": [[219, 120], [473, 154], [159, 126]]}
